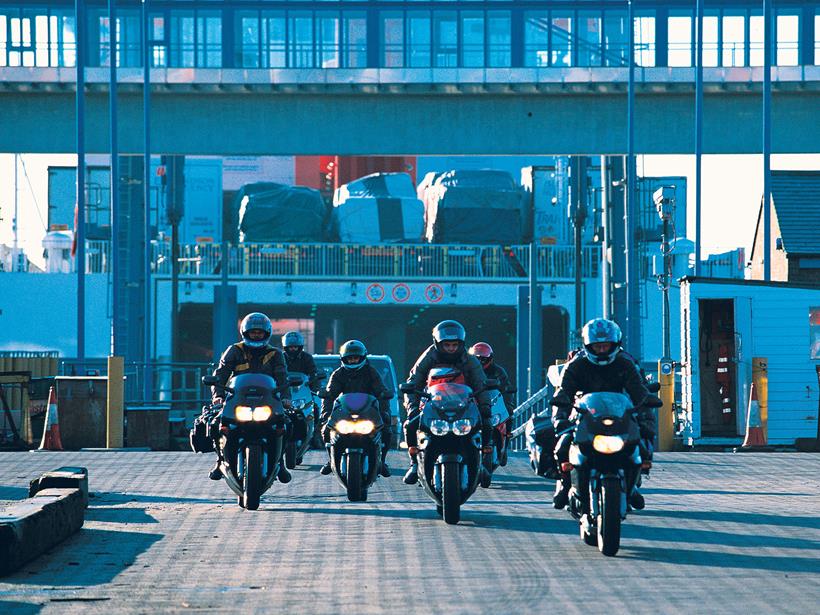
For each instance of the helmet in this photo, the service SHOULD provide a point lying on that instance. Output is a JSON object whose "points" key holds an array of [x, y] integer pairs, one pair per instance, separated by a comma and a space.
{"points": [[293, 338], [255, 321], [449, 331], [597, 331], [483, 352], [348, 353]]}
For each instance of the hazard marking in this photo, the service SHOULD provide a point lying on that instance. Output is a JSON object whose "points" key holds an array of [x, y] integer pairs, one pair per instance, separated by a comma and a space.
{"points": [[401, 293], [375, 293], [434, 293]]}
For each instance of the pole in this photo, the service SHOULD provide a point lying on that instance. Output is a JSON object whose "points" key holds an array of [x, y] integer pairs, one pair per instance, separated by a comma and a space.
{"points": [[116, 342], [633, 326], [667, 352], [114, 403], [15, 246], [534, 383], [522, 347], [698, 132], [79, 16], [605, 292], [767, 139], [146, 111]]}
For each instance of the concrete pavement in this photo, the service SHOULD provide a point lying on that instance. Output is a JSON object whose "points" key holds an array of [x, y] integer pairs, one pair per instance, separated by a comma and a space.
{"points": [[722, 533]]}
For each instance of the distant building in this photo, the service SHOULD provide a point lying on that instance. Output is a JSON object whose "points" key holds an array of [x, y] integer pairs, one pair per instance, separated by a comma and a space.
{"points": [[795, 220], [726, 265]]}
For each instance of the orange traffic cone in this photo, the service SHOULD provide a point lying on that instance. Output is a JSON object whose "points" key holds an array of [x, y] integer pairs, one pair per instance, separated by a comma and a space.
{"points": [[755, 436], [51, 431]]}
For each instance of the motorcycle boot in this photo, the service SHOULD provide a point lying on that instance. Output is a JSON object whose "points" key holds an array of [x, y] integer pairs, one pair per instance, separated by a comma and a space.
{"points": [[636, 500], [411, 477], [485, 473], [283, 476], [384, 470], [561, 496], [216, 472], [325, 469]]}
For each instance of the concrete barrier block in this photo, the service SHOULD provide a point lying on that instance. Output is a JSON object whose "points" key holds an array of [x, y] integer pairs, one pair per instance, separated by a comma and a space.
{"points": [[30, 527], [67, 477]]}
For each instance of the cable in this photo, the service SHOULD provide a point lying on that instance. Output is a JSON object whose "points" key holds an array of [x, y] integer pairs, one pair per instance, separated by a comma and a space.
{"points": [[33, 195]]}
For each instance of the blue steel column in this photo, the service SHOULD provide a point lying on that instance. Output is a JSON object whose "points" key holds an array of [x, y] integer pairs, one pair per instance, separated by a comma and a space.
{"points": [[116, 338], [535, 303], [146, 92], [522, 346], [79, 16], [698, 132], [633, 324], [767, 138]]}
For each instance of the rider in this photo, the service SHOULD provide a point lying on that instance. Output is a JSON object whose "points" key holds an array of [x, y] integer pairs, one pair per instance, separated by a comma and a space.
{"points": [[253, 355], [447, 350], [492, 370], [601, 366], [356, 375], [297, 360]]}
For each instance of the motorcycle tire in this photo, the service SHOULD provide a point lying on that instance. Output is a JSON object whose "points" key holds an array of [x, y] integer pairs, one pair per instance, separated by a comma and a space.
{"points": [[252, 477], [609, 521], [354, 477], [290, 455], [451, 492]]}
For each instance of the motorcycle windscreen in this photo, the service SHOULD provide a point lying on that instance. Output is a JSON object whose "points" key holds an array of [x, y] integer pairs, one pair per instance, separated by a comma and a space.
{"points": [[449, 398], [615, 405], [361, 405]]}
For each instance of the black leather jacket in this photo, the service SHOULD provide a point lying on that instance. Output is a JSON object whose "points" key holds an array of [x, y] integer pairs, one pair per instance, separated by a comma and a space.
{"points": [[303, 362], [366, 379], [497, 372], [580, 374], [241, 359], [467, 363]]}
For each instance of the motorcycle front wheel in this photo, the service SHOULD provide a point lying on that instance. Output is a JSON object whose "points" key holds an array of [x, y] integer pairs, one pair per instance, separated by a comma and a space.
{"points": [[252, 477], [609, 521], [290, 455], [451, 492], [355, 492]]}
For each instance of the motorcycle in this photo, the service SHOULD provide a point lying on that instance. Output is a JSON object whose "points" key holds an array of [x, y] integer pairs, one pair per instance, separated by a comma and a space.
{"points": [[449, 445], [539, 436], [301, 417], [605, 449], [250, 436], [355, 437], [498, 420]]}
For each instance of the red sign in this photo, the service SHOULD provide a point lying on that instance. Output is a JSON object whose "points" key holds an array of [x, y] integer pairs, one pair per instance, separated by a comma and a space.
{"points": [[434, 293], [401, 293], [375, 293]]}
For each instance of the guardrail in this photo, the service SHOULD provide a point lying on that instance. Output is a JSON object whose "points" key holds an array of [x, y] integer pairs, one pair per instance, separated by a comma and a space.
{"points": [[536, 405], [385, 261]]}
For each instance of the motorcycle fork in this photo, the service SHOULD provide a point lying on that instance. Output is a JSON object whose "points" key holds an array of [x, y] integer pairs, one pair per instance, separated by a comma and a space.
{"points": [[595, 479], [465, 477]]}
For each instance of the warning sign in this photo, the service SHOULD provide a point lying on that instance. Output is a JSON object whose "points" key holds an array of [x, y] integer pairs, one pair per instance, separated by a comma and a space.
{"points": [[374, 293], [434, 293], [401, 293]]}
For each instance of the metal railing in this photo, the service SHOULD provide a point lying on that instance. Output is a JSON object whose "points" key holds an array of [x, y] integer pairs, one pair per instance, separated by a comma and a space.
{"points": [[399, 261], [537, 405]]}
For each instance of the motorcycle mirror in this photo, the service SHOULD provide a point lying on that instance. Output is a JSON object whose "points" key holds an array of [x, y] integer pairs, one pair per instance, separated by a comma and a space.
{"points": [[653, 401], [653, 387], [407, 388], [323, 394], [321, 374], [386, 395], [210, 380]]}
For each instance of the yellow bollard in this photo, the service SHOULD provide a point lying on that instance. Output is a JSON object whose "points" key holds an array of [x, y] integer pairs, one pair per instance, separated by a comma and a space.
{"points": [[666, 414], [114, 408], [760, 379]]}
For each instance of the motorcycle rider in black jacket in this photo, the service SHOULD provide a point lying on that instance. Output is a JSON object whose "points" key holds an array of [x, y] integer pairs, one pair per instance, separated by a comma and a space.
{"points": [[253, 355], [448, 350], [492, 370], [356, 375], [297, 360], [600, 367]]}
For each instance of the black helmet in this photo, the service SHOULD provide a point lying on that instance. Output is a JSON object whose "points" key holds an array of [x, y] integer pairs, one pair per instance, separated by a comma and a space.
{"points": [[293, 339], [449, 331], [353, 354], [601, 331], [256, 321]]}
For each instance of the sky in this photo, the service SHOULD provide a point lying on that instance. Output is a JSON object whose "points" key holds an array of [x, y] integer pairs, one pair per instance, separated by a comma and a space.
{"points": [[732, 186]]}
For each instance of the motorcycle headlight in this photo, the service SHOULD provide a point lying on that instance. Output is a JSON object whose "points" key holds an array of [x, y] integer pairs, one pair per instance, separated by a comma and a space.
{"points": [[608, 444], [262, 413], [298, 404], [462, 427], [345, 427], [495, 420], [364, 427], [244, 413], [439, 427]]}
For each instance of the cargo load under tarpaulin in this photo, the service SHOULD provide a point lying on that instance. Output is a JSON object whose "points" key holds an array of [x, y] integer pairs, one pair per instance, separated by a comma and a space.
{"points": [[378, 208], [474, 207], [275, 212]]}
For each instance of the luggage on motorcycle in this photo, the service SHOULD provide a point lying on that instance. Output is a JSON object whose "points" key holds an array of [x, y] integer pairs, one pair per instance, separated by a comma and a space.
{"points": [[200, 439], [543, 433]]}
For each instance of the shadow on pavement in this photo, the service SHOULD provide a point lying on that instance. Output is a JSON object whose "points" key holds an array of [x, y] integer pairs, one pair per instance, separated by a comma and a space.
{"points": [[746, 518], [360, 510], [118, 514], [109, 498], [716, 538], [649, 490], [90, 557], [19, 608], [516, 523], [722, 560]]}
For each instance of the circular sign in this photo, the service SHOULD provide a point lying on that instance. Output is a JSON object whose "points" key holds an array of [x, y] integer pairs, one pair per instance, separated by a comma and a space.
{"points": [[434, 293], [401, 293], [374, 293]]}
